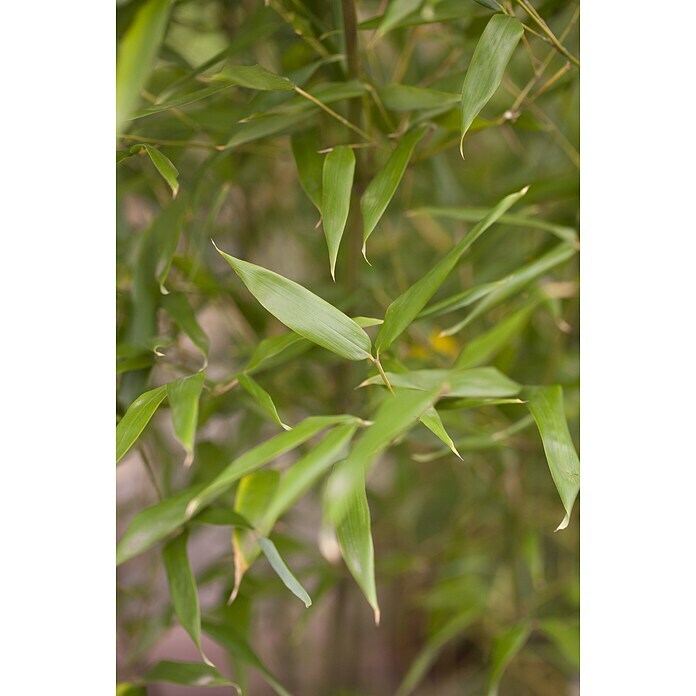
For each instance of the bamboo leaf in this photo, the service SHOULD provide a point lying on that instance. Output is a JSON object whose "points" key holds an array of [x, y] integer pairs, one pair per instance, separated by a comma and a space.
{"points": [[263, 126], [546, 406], [487, 67], [182, 588], [565, 635], [177, 306], [515, 282], [163, 165], [407, 306], [337, 185], [136, 418], [254, 77], [136, 55], [284, 573], [187, 674], [184, 395], [222, 517], [254, 493], [477, 383], [462, 299], [125, 689], [397, 10], [236, 644], [166, 230], [382, 188], [432, 421], [303, 311], [309, 164], [409, 98], [261, 396], [505, 648]]}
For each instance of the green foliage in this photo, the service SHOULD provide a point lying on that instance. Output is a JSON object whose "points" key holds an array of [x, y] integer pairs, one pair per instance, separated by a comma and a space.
{"points": [[283, 130]]}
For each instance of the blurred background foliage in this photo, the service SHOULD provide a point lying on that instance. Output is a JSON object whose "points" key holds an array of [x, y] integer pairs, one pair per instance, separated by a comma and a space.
{"points": [[473, 583]]}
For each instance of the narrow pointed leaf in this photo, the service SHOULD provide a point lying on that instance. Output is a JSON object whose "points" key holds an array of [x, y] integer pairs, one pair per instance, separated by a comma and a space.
{"points": [[462, 299], [283, 572], [177, 306], [163, 165], [432, 421], [354, 535], [565, 635], [309, 164], [407, 306], [337, 185], [263, 127], [187, 674], [236, 644], [166, 230], [184, 395], [136, 55], [261, 396], [382, 188], [269, 348], [125, 689], [254, 493], [546, 405], [182, 587], [223, 517], [397, 10], [409, 98], [136, 418], [254, 77], [487, 67], [505, 648], [303, 311], [515, 282]]}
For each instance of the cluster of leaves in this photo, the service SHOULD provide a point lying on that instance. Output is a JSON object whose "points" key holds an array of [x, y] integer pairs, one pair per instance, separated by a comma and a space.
{"points": [[462, 321]]}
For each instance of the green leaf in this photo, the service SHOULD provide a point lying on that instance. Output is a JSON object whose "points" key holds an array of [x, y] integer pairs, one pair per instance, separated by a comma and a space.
{"points": [[182, 588], [263, 126], [136, 55], [184, 395], [261, 396], [254, 493], [136, 418], [337, 185], [462, 299], [283, 572], [382, 188], [394, 416], [546, 405], [396, 12], [407, 306], [166, 230], [515, 282], [125, 689], [409, 98], [505, 648], [187, 674], [223, 517], [487, 67], [565, 635], [303, 311], [309, 162], [490, 4], [158, 521], [163, 165], [236, 644], [355, 541], [432, 421], [486, 346], [177, 306], [254, 77], [272, 347], [477, 383]]}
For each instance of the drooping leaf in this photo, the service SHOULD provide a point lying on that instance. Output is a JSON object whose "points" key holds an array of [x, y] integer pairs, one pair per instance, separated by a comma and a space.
{"points": [[136, 418], [409, 98], [402, 311], [546, 405], [236, 644], [177, 306], [354, 534], [184, 395], [182, 587], [269, 348], [223, 517], [382, 188], [261, 396], [254, 77], [337, 185], [187, 674], [485, 73], [397, 10], [254, 493], [166, 230], [303, 311], [505, 648], [163, 165], [309, 162], [462, 299], [515, 282], [282, 570], [136, 55], [432, 421]]}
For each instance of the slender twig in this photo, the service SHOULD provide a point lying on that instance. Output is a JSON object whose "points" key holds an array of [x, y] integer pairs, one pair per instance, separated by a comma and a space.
{"points": [[168, 143], [545, 28], [150, 471]]}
